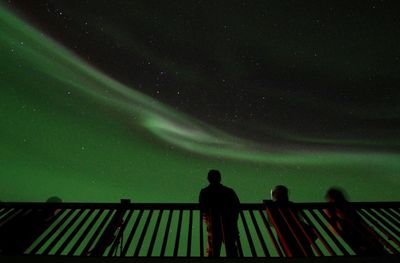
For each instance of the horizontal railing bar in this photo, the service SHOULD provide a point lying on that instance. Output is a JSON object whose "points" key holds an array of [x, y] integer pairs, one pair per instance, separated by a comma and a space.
{"points": [[186, 206]]}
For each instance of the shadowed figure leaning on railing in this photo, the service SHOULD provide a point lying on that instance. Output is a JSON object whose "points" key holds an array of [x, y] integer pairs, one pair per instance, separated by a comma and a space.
{"points": [[294, 235], [349, 225]]}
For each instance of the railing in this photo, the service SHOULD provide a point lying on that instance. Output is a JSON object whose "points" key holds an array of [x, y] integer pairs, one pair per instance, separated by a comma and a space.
{"points": [[177, 230]]}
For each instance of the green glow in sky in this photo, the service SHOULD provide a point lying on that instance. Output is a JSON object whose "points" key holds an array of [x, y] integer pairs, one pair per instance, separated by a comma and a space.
{"points": [[70, 130]]}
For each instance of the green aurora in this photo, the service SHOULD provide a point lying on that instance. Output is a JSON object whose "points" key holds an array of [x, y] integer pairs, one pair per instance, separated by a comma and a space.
{"points": [[69, 130]]}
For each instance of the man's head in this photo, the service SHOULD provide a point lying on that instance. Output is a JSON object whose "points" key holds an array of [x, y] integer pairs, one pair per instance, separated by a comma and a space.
{"points": [[335, 195], [280, 194], [214, 177]]}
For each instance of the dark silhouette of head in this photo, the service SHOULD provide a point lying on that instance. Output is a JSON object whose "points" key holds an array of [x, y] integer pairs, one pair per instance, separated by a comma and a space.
{"points": [[54, 199], [335, 195], [214, 177], [280, 194]]}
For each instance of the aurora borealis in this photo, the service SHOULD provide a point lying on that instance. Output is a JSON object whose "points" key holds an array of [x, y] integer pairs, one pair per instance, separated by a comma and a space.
{"points": [[134, 119]]}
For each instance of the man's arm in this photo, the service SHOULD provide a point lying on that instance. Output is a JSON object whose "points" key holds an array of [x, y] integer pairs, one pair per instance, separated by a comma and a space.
{"points": [[235, 203], [202, 201], [203, 206]]}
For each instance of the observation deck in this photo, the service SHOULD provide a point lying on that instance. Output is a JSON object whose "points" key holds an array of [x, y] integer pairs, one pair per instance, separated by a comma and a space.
{"points": [[164, 232]]}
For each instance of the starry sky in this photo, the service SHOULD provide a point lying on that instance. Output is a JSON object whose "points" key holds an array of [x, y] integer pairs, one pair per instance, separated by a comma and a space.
{"points": [[95, 92]]}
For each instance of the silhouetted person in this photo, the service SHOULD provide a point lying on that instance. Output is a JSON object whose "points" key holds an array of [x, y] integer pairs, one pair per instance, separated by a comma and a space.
{"points": [[25, 227], [286, 220], [348, 224], [220, 209]]}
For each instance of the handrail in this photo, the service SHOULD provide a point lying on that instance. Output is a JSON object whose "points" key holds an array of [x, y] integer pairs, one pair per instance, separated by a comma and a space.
{"points": [[244, 206], [176, 230]]}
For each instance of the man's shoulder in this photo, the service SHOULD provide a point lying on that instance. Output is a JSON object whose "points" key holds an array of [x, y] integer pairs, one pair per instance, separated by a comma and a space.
{"points": [[228, 189], [220, 188], [205, 190]]}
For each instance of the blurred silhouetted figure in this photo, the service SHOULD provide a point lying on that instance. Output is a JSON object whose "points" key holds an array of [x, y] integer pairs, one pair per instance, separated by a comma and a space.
{"points": [[348, 224], [289, 225], [25, 226], [220, 210]]}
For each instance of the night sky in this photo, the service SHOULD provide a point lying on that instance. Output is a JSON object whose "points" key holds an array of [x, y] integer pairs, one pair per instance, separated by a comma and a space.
{"points": [[102, 100]]}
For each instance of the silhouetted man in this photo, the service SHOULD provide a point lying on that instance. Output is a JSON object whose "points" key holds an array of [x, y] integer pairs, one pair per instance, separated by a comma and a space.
{"points": [[220, 209]]}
